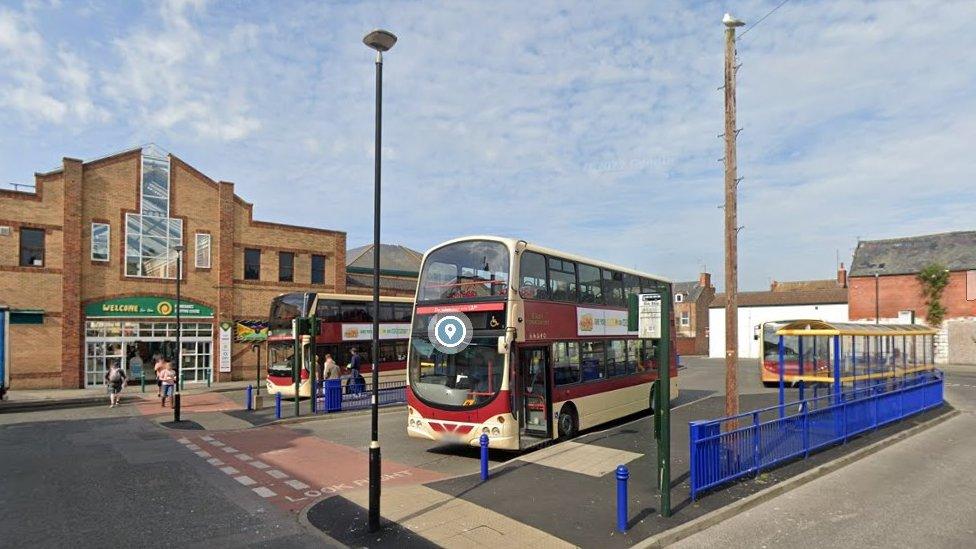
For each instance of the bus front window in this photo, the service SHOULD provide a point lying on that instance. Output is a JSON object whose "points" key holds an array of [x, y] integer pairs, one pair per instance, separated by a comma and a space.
{"points": [[465, 270], [466, 379], [280, 358]]}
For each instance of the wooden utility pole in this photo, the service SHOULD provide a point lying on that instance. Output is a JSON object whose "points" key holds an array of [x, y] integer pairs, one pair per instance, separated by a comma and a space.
{"points": [[731, 225]]}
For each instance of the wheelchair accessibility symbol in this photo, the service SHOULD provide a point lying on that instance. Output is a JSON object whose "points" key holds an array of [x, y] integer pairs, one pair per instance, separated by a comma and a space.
{"points": [[450, 333]]}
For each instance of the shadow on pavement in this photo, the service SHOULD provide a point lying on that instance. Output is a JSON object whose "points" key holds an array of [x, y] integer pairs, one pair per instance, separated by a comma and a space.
{"points": [[346, 522]]}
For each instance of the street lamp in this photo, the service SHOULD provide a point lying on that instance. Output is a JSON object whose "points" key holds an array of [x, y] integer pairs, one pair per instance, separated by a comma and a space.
{"points": [[179, 329], [381, 41]]}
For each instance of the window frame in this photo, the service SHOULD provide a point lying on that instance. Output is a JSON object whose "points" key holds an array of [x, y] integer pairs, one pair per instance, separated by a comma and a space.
{"points": [[545, 276], [684, 318], [196, 250], [312, 269], [574, 291], [255, 251], [108, 242], [20, 246], [286, 275], [599, 299]]}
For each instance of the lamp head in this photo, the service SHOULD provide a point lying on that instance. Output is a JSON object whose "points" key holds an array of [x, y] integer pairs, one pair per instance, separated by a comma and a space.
{"points": [[178, 248], [732, 22], [380, 40]]}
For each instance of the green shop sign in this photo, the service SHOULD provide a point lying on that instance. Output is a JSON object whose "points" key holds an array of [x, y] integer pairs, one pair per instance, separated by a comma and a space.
{"points": [[146, 307]]}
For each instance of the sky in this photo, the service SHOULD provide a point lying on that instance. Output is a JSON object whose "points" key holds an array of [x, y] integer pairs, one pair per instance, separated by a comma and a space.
{"points": [[590, 127]]}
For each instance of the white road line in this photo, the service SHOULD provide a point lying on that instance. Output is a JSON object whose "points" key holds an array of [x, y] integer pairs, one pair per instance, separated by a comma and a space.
{"points": [[231, 450], [276, 474], [296, 484], [215, 461], [216, 443], [264, 492], [193, 446], [229, 470], [208, 438], [259, 464], [202, 454], [243, 457], [183, 441], [245, 480]]}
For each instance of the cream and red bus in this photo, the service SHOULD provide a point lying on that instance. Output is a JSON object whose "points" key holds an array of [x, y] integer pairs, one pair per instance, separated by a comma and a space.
{"points": [[345, 322], [546, 349]]}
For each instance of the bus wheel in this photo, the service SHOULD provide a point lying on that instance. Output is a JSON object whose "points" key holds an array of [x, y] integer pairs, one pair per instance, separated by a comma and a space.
{"points": [[568, 422]]}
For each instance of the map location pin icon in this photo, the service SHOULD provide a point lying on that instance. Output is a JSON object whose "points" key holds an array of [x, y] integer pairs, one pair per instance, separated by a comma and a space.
{"points": [[449, 330]]}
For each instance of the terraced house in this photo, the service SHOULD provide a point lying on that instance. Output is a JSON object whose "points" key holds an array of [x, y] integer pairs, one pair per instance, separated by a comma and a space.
{"points": [[88, 269]]}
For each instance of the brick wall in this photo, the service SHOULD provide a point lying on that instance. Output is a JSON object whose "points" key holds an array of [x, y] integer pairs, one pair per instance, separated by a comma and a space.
{"points": [[903, 292]]}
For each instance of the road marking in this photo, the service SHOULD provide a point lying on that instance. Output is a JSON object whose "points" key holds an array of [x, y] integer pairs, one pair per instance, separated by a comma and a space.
{"points": [[202, 454], [245, 480], [216, 443], [585, 459], [243, 457], [230, 450], [229, 470], [276, 474], [296, 484], [264, 492], [193, 446], [183, 441], [259, 464], [208, 438], [215, 461]]}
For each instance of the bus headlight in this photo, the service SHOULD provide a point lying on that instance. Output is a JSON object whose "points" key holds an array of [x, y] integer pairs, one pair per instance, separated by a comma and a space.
{"points": [[484, 430], [495, 431]]}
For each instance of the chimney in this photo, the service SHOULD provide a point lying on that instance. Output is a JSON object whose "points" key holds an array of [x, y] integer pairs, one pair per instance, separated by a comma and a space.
{"points": [[842, 276], [705, 280]]}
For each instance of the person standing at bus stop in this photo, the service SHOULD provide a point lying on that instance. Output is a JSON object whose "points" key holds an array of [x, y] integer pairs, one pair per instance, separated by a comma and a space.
{"points": [[331, 368], [115, 380], [167, 379]]}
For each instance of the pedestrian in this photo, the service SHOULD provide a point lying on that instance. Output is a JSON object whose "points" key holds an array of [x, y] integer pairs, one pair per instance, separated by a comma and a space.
{"points": [[158, 368], [114, 380], [356, 361], [167, 381], [331, 368]]}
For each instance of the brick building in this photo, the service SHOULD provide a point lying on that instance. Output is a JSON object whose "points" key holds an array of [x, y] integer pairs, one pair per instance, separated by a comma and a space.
{"points": [[691, 301], [88, 269], [884, 275]]}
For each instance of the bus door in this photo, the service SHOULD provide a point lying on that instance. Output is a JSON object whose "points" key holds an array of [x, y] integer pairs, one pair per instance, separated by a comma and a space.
{"points": [[534, 391]]}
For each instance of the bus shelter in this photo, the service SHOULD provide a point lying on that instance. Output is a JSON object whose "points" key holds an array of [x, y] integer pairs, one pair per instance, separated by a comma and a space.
{"points": [[838, 354]]}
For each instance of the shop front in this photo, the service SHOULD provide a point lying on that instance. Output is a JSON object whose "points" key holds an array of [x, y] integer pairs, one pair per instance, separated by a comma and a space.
{"points": [[119, 330]]}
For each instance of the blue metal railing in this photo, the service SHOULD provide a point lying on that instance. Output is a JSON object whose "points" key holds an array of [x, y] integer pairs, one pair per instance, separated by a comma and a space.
{"points": [[760, 439], [333, 396]]}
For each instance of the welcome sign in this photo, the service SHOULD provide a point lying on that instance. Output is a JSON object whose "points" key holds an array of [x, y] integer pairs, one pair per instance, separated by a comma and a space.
{"points": [[146, 306]]}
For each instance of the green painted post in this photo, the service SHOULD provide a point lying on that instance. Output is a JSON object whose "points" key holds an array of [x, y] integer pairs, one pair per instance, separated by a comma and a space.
{"points": [[142, 379], [312, 364], [663, 411]]}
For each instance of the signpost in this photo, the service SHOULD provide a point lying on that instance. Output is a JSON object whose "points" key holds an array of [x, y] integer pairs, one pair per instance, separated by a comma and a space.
{"points": [[650, 315]]}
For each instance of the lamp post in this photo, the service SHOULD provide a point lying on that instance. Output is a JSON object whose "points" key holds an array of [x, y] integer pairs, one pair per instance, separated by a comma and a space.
{"points": [[256, 349], [381, 41], [179, 329]]}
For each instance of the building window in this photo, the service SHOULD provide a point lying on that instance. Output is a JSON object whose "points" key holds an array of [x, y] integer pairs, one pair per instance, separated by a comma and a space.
{"points": [[286, 267], [252, 264], [685, 318], [31, 247], [679, 297], [151, 236], [318, 269], [150, 245], [203, 251], [100, 241], [155, 183]]}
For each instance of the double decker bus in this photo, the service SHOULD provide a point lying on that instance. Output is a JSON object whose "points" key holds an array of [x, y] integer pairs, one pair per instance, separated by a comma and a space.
{"points": [[546, 352], [345, 322]]}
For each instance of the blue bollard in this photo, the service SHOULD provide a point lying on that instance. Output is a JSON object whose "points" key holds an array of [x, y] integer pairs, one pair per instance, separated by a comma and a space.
{"points": [[277, 405], [248, 396], [484, 457], [622, 475]]}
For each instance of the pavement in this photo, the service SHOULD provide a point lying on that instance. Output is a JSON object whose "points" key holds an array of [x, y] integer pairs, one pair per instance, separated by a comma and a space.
{"points": [[916, 493], [303, 480], [17, 400]]}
